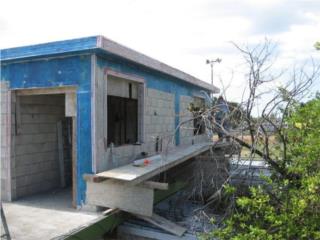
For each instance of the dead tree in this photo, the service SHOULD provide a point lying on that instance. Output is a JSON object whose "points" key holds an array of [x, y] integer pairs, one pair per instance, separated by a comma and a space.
{"points": [[275, 104]]}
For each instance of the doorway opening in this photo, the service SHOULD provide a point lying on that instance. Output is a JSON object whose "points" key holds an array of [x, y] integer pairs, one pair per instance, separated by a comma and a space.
{"points": [[44, 148]]}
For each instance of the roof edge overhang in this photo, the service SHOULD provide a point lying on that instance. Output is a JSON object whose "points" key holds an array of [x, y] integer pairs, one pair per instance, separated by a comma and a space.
{"points": [[134, 56], [92, 44], [49, 49]]}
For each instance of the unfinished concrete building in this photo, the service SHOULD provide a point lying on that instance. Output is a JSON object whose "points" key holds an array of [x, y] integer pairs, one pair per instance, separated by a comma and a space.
{"points": [[77, 112]]}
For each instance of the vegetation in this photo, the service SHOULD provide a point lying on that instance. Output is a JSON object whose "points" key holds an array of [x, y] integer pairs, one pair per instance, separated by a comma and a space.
{"points": [[286, 135], [287, 207]]}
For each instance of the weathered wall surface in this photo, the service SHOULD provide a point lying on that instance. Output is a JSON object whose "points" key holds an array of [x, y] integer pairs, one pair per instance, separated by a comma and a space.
{"points": [[86, 72]]}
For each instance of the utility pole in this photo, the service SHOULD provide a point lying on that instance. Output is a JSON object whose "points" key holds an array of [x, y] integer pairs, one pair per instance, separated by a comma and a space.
{"points": [[211, 62]]}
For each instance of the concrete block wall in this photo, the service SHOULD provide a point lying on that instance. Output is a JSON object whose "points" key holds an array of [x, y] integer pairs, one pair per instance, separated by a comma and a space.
{"points": [[123, 155], [187, 129], [35, 143], [159, 121], [5, 114], [210, 171]]}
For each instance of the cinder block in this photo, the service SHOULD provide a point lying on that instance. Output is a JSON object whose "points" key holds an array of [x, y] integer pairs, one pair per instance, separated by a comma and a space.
{"points": [[36, 157], [147, 120], [44, 109], [41, 118], [35, 148], [35, 138]]}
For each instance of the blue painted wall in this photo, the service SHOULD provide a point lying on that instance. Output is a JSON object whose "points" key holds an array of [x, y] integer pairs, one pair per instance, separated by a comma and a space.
{"points": [[64, 71], [154, 79]]}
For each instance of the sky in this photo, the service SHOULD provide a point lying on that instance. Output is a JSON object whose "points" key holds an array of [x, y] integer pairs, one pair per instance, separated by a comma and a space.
{"points": [[182, 33]]}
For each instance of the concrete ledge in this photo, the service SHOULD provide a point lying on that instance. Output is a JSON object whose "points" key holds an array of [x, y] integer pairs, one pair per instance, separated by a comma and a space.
{"points": [[108, 223]]}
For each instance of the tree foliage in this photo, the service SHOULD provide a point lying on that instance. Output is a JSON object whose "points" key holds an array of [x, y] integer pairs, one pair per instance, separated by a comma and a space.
{"points": [[286, 207]]}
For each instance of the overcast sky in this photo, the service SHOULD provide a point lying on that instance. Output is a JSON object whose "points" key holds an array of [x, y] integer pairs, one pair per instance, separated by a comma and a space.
{"points": [[182, 33]]}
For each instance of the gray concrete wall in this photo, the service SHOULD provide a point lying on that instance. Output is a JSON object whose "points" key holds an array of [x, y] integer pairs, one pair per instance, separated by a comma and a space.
{"points": [[35, 143], [5, 131], [159, 115]]}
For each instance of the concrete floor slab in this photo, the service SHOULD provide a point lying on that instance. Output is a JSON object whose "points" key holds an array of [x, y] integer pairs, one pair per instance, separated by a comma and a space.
{"points": [[45, 216]]}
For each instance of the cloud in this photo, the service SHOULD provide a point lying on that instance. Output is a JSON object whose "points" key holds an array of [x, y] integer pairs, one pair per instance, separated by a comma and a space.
{"points": [[280, 18], [266, 17]]}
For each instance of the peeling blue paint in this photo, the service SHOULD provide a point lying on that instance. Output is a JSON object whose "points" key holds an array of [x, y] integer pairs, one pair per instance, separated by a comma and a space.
{"points": [[51, 72], [46, 49], [84, 146], [55, 72]]}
